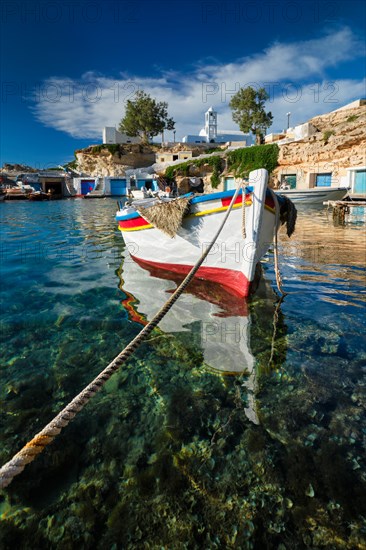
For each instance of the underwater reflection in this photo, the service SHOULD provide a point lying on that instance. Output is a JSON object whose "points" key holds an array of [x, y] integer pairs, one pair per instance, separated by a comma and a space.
{"points": [[220, 325]]}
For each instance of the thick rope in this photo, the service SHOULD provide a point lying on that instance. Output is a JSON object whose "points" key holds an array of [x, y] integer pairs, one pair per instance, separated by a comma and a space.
{"points": [[275, 246], [243, 229], [34, 447]]}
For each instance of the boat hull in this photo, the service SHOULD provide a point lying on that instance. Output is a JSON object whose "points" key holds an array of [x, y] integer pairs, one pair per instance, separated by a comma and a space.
{"points": [[317, 195], [39, 196], [233, 259]]}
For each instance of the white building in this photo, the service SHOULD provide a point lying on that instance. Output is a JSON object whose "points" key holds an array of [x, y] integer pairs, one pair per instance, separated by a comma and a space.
{"points": [[113, 136], [211, 134]]}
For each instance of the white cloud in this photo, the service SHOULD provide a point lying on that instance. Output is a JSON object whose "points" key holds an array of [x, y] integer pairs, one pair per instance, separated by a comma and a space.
{"points": [[295, 74]]}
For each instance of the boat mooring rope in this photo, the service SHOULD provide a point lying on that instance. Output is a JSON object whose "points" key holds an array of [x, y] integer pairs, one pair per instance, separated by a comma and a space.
{"points": [[36, 445], [275, 246], [243, 228]]}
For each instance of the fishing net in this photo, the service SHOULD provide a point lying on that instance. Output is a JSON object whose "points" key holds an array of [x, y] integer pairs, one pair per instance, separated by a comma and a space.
{"points": [[288, 215], [166, 216]]}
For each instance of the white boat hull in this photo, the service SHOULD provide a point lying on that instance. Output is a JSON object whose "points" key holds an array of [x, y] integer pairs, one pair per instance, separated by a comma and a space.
{"points": [[233, 259], [317, 195]]}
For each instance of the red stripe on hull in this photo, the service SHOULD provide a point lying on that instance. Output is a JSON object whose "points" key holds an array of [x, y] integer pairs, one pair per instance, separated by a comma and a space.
{"points": [[234, 281], [270, 202], [226, 201], [134, 222]]}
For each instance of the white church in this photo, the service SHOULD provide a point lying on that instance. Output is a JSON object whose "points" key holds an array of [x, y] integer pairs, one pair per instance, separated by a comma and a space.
{"points": [[210, 133]]}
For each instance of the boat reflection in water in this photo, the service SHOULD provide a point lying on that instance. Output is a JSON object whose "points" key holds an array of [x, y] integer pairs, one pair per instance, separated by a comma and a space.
{"points": [[222, 325]]}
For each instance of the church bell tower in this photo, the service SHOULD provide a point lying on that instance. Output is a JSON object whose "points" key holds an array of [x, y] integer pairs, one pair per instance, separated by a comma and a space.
{"points": [[211, 125]]}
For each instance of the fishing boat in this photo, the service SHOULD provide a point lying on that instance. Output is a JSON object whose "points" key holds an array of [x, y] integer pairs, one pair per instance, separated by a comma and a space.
{"points": [[316, 195], [171, 234], [39, 196], [16, 193]]}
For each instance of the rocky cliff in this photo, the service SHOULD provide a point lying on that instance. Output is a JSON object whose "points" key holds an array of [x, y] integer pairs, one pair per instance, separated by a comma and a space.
{"points": [[338, 143], [114, 160]]}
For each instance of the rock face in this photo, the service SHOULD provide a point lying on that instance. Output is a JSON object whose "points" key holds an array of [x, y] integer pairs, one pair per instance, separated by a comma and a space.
{"points": [[338, 144], [107, 161], [115, 160], [17, 168]]}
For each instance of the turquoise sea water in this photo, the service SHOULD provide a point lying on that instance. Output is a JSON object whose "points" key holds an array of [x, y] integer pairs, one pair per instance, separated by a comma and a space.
{"points": [[233, 426]]}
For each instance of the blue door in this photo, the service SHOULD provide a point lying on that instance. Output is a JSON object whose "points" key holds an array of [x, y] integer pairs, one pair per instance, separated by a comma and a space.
{"points": [[87, 186], [119, 187], [323, 180], [360, 182]]}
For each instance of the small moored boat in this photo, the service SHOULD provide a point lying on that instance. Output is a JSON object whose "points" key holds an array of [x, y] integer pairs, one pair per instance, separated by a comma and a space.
{"points": [[316, 195], [152, 241], [39, 196], [16, 193]]}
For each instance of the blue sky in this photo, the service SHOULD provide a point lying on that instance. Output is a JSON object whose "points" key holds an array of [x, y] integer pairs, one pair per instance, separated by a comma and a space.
{"points": [[68, 66]]}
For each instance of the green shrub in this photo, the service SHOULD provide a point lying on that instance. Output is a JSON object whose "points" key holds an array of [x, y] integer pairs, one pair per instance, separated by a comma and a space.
{"points": [[242, 161], [72, 165], [111, 147], [352, 118], [327, 134]]}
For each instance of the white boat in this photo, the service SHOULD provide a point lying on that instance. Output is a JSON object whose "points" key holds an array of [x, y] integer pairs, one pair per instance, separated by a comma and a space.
{"points": [[233, 259], [316, 195]]}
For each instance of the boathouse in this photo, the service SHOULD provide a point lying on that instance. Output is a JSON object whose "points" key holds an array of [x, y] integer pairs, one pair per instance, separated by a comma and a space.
{"points": [[356, 180], [84, 185], [149, 182], [115, 187], [53, 183]]}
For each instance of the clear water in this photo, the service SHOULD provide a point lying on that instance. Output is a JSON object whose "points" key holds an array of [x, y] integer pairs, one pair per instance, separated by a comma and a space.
{"points": [[234, 426]]}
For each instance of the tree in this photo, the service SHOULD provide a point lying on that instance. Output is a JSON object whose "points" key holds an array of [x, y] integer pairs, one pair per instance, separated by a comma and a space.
{"points": [[145, 117], [248, 112]]}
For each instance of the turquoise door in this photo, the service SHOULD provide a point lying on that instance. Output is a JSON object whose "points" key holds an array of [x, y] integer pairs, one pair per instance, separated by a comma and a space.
{"points": [[118, 187], [360, 182], [229, 184], [323, 180], [290, 180]]}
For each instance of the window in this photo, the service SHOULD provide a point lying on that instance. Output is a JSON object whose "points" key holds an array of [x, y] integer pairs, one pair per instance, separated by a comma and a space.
{"points": [[289, 180]]}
